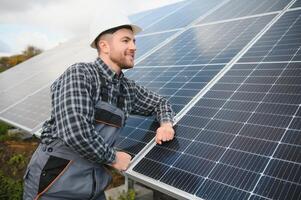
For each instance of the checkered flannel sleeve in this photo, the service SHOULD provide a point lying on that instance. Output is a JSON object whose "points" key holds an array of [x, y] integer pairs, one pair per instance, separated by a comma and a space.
{"points": [[75, 116], [148, 102]]}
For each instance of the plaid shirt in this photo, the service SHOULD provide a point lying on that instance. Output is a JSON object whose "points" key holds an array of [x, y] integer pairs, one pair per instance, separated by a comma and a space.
{"points": [[73, 97]]}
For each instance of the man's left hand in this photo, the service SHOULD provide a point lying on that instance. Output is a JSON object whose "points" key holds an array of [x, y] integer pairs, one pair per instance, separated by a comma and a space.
{"points": [[164, 133]]}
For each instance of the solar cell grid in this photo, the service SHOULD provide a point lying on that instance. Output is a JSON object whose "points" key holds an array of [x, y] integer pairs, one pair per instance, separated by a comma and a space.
{"points": [[248, 141], [31, 112], [147, 42], [217, 43], [241, 8], [296, 4], [147, 18], [280, 43], [178, 84], [180, 18]]}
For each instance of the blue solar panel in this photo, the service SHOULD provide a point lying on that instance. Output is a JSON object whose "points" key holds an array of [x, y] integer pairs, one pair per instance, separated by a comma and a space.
{"points": [[281, 42], [178, 84], [147, 42], [241, 140], [148, 18], [296, 4], [242, 8], [241, 143], [183, 16], [217, 43]]}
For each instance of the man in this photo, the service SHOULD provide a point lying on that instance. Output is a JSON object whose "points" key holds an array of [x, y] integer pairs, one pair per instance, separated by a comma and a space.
{"points": [[90, 103]]}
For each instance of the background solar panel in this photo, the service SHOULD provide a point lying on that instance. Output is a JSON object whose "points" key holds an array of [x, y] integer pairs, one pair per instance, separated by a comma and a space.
{"points": [[31, 112], [242, 139], [241, 8]]}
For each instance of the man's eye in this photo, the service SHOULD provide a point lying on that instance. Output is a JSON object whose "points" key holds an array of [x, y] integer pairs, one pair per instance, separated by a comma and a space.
{"points": [[126, 41]]}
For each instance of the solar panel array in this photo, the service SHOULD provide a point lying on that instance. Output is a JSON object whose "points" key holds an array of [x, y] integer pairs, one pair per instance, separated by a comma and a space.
{"points": [[241, 140], [232, 71]]}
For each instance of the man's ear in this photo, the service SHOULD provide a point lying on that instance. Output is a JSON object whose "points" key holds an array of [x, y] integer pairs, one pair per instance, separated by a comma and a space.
{"points": [[104, 46]]}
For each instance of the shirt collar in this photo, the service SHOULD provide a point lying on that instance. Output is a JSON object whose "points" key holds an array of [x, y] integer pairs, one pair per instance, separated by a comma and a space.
{"points": [[110, 74]]}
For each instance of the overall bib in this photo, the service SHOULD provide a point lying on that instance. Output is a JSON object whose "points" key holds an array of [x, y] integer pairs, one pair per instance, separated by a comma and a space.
{"points": [[56, 172]]}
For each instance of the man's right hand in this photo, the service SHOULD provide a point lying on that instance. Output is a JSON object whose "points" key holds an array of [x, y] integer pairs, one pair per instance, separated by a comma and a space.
{"points": [[122, 161]]}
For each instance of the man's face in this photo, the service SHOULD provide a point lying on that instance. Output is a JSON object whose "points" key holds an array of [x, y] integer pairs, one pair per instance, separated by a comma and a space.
{"points": [[122, 48]]}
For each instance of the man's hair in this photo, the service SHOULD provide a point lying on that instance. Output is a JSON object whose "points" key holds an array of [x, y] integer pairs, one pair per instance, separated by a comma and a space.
{"points": [[110, 31]]}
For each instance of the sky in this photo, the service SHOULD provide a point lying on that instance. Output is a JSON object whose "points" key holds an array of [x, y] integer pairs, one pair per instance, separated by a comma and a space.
{"points": [[46, 23]]}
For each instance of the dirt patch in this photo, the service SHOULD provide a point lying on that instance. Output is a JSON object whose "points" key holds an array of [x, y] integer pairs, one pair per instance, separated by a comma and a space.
{"points": [[14, 156]]}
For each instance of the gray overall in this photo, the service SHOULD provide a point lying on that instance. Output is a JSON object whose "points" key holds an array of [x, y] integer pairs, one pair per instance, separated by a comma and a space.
{"points": [[56, 172]]}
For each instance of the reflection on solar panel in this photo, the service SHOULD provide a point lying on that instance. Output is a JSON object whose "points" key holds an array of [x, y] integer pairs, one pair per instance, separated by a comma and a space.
{"points": [[148, 18], [147, 42], [241, 8], [183, 16], [231, 69], [217, 43]]}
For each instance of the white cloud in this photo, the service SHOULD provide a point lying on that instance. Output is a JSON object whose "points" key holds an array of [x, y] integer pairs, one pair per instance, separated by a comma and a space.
{"points": [[63, 18], [37, 39]]}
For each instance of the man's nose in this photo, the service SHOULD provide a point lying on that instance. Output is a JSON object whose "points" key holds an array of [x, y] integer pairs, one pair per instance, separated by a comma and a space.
{"points": [[132, 45]]}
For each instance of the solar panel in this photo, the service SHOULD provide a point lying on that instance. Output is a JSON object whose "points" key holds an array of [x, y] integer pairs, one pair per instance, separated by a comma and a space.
{"points": [[241, 139], [30, 113], [147, 42], [280, 43], [215, 43], [296, 4], [148, 18], [180, 84], [241, 8], [177, 83], [233, 150], [181, 18]]}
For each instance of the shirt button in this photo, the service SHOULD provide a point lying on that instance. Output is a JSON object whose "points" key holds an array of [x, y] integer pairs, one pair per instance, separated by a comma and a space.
{"points": [[50, 149], [43, 173]]}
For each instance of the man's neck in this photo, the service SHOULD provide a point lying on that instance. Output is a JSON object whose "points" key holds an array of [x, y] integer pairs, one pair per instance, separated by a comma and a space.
{"points": [[115, 68]]}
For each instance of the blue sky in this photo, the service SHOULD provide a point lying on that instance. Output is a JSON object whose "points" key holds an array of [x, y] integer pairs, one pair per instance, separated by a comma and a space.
{"points": [[46, 23]]}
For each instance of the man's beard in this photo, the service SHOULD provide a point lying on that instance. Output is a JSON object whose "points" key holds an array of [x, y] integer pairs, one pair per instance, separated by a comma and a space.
{"points": [[122, 63]]}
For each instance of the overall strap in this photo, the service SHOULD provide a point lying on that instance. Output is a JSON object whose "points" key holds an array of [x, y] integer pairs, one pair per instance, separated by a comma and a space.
{"points": [[104, 91], [121, 97]]}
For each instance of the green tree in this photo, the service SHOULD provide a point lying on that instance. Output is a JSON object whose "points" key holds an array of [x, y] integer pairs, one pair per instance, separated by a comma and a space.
{"points": [[31, 51]]}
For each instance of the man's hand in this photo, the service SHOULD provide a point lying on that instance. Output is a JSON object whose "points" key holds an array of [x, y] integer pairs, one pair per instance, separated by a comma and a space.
{"points": [[164, 133], [122, 161]]}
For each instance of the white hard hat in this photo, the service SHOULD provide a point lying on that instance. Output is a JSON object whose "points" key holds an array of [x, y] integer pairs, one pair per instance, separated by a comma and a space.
{"points": [[103, 23]]}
